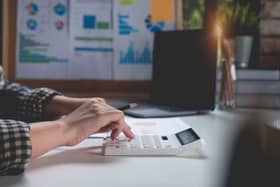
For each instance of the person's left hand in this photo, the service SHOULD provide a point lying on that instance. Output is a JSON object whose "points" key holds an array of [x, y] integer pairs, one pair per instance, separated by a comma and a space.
{"points": [[63, 105]]}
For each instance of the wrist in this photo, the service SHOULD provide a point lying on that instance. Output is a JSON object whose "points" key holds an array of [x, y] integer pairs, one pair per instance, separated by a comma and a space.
{"points": [[68, 132], [72, 133], [48, 135]]}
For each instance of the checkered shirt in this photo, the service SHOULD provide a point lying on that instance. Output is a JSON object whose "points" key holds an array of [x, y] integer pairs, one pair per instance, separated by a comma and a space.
{"points": [[17, 104], [15, 147]]}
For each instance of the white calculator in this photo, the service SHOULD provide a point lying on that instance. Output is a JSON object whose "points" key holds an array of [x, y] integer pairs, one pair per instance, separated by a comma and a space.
{"points": [[183, 143]]}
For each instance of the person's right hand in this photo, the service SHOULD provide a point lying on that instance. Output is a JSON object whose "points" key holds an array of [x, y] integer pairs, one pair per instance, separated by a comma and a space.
{"points": [[92, 117]]}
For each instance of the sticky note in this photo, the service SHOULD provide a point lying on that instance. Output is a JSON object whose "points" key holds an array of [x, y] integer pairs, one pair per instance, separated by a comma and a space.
{"points": [[162, 10]]}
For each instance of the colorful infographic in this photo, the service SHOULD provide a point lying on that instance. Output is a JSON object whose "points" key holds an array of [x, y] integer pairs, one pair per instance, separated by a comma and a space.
{"points": [[124, 27], [91, 26], [32, 8], [133, 39], [42, 39], [91, 39], [88, 39], [132, 56], [60, 9]]}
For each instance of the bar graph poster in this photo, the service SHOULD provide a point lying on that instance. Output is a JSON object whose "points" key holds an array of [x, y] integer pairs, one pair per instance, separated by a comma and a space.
{"points": [[91, 39], [133, 39], [42, 47], [86, 39]]}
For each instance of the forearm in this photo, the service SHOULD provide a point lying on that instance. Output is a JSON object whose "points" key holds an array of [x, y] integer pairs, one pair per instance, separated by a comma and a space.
{"points": [[46, 136], [62, 105], [90, 118]]}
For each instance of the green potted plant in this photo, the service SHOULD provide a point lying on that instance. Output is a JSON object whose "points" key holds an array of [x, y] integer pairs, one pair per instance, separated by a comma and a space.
{"points": [[239, 23]]}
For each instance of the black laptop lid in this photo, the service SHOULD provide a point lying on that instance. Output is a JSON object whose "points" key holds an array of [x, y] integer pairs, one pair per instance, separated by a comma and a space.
{"points": [[184, 69]]}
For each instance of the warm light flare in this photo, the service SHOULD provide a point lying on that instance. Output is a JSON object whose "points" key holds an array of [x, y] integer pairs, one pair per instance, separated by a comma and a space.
{"points": [[219, 33], [219, 30]]}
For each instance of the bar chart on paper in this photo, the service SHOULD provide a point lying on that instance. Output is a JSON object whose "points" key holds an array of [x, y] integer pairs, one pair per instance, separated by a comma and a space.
{"points": [[91, 39], [32, 51], [34, 42], [133, 38], [92, 32], [131, 56], [42, 41], [91, 23], [124, 27], [103, 39]]}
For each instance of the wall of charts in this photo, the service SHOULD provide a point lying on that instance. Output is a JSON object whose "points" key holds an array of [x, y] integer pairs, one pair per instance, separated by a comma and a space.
{"points": [[87, 39]]}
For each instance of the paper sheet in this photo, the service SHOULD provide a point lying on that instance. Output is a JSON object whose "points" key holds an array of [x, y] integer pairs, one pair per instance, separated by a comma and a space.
{"points": [[86, 39], [134, 34], [156, 125], [42, 47], [91, 39]]}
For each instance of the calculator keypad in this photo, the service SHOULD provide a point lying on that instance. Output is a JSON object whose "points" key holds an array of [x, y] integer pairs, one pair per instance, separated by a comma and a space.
{"points": [[139, 142]]}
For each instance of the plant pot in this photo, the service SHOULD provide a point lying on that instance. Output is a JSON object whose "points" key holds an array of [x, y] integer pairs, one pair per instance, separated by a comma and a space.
{"points": [[243, 48]]}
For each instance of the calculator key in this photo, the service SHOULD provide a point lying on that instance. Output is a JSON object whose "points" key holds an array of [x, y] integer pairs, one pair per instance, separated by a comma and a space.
{"points": [[110, 143], [135, 143], [148, 141], [168, 146], [122, 139], [157, 141], [123, 145]]}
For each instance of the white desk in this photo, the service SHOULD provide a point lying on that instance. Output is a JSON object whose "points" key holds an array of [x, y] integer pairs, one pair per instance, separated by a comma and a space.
{"points": [[82, 167]]}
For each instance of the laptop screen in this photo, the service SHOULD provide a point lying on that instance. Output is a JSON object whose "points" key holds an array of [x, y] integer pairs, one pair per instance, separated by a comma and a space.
{"points": [[184, 69]]}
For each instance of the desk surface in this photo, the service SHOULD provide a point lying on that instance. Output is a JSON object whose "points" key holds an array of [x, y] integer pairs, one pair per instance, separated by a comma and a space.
{"points": [[84, 166]]}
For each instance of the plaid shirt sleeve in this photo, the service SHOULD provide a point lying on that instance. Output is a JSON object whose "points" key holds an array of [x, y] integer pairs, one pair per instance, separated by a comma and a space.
{"points": [[19, 103], [15, 147], [26, 104]]}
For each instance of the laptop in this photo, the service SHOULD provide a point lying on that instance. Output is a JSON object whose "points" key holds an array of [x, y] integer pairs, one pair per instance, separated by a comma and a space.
{"points": [[184, 75]]}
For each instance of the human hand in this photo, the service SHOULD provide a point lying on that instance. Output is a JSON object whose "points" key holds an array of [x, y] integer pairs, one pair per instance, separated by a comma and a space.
{"points": [[63, 105], [93, 117]]}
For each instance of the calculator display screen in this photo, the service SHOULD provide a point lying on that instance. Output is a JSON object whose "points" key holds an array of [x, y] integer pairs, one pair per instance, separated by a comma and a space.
{"points": [[187, 136]]}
